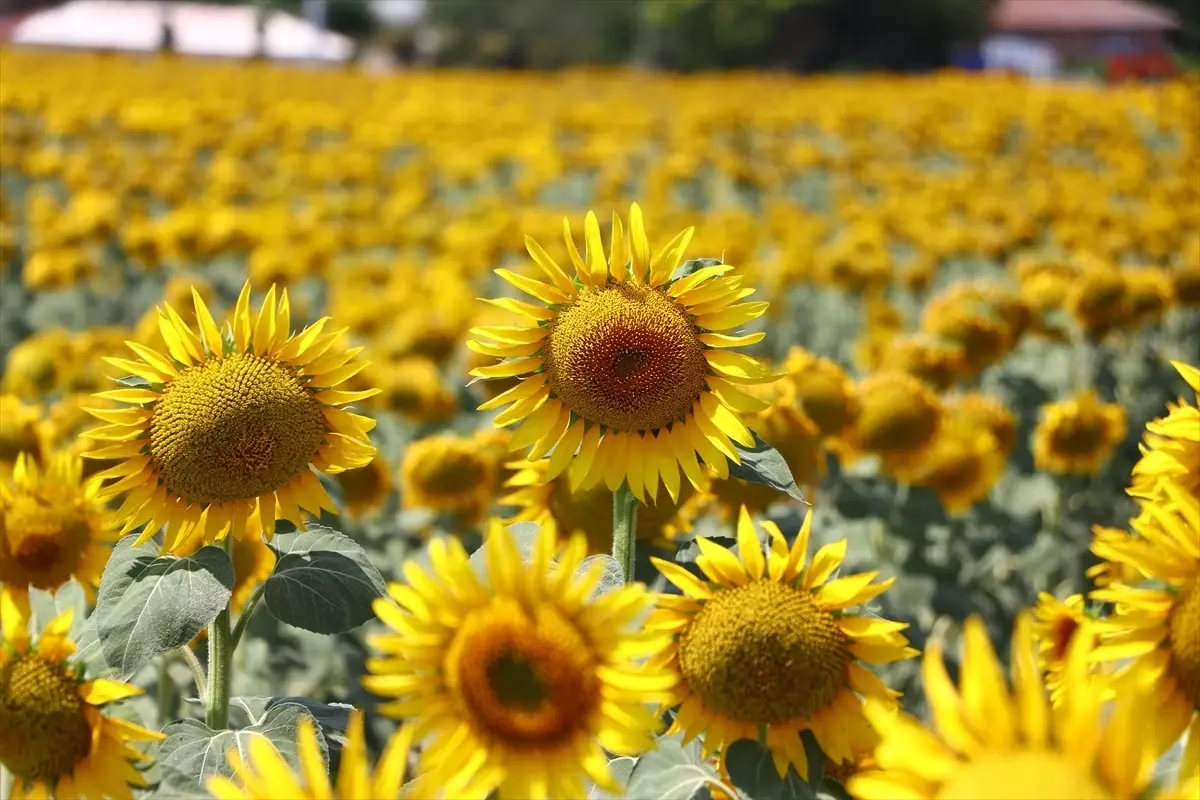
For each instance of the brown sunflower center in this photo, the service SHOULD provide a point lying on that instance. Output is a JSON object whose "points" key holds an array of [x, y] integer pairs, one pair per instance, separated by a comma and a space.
{"points": [[42, 542], [525, 678], [764, 653], [1185, 645], [1079, 435], [897, 422], [627, 357], [452, 472], [234, 428], [44, 732], [824, 400], [363, 484], [1061, 633], [1022, 776]]}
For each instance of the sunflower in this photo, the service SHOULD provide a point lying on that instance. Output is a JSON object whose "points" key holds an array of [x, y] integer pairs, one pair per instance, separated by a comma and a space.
{"points": [[1078, 435], [1159, 628], [899, 419], [1096, 298], [764, 642], [20, 430], [55, 740], [995, 743], [447, 474], [939, 363], [53, 527], [228, 426], [1055, 625], [986, 412], [516, 682], [264, 774], [823, 392], [413, 388], [963, 319], [792, 434], [961, 466], [366, 488], [589, 511], [625, 364], [1172, 450]]}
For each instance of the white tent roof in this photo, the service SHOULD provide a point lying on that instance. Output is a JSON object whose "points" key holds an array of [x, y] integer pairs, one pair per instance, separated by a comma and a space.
{"points": [[198, 29]]}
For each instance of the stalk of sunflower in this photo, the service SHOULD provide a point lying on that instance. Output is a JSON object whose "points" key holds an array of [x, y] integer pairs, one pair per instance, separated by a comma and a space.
{"points": [[517, 682], [625, 376]]}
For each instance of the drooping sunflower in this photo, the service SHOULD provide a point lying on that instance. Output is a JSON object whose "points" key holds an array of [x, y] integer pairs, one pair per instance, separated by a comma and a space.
{"points": [[229, 425], [264, 775], [589, 511], [995, 744], [55, 739], [1172, 450], [448, 474], [627, 375], [366, 488], [768, 642], [516, 682], [1077, 436], [1159, 628], [53, 527], [1056, 623]]}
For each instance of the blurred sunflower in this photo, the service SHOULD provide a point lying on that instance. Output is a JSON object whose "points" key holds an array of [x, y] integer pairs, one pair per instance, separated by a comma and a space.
{"points": [[1107, 572], [995, 744], [987, 412], [1078, 435], [19, 430], [589, 511], [898, 419], [518, 682], [823, 392], [53, 527], [1172, 450], [937, 362], [447, 474], [365, 489], [961, 466], [225, 426], [763, 643], [34, 366], [55, 740], [965, 319], [1159, 628], [413, 388], [625, 364], [263, 774], [1096, 298], [1055, 625]]}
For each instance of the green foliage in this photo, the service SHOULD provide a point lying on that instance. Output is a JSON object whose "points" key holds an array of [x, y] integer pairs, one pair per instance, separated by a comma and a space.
{"points": [[193, 753], [149, 605], [763, 464], [674, 771], [323, 582]]}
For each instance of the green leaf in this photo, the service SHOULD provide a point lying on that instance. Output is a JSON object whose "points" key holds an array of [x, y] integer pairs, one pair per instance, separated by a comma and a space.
{"points": [[323, 581], [524, 533], [621, 768], [763, 464], [192, 752], [753, 773], [673, 772], [134, 382], [148, 605], [334, 716], [611, 578], [694, 265]]}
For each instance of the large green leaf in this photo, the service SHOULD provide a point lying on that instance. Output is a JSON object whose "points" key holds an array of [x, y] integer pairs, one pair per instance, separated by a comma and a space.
{"points": [[673, 772], [148, 604], [753, 773], [192, 752], [763, 464], [323, 581]]}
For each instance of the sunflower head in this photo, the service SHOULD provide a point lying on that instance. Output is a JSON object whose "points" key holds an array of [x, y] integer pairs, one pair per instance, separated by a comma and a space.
{"points": [[961, 466], [1044, 283], [823, 392], [413, 388], [899, 417], [985, 324], [226, 425], [55, 740], [33, 367], [1172, 448], [1078, 435], [984, 411], [938, 362], [1056, 623], [53, 526], [365, 489], [590, 511], [1148, 294], [1096, 298], [447, 473], [764, 641], [625, 372], [522, 676], [992, 742], [19, 430]]}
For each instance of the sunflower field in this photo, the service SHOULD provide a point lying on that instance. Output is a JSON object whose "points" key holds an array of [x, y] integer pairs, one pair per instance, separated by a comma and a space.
{"points": [[593, 434]]}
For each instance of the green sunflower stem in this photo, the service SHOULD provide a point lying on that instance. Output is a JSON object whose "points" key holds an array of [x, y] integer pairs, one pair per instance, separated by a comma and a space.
{"points": [[625, 507], [220, 652]]}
